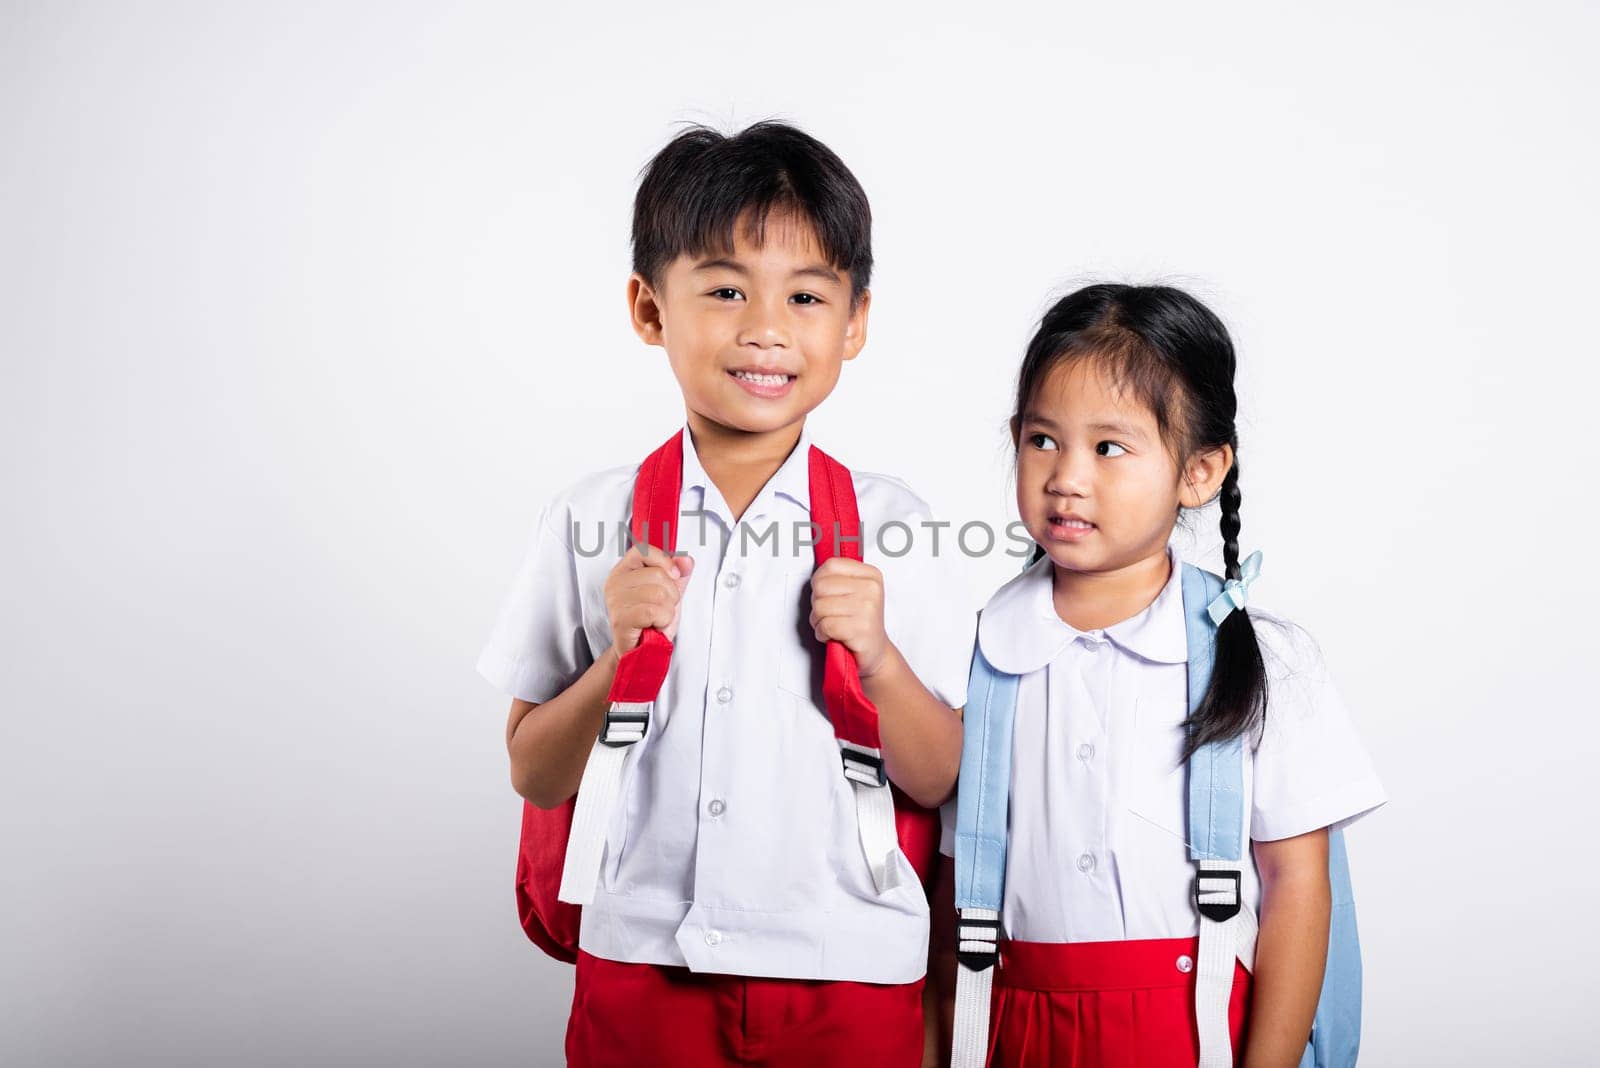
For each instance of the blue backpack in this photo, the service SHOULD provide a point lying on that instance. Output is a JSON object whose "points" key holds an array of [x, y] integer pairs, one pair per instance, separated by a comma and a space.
{"points": [[1216, 834]]}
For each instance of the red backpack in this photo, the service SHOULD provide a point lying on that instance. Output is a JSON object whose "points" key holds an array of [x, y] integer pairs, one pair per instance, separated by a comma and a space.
{"points": [[545, 862]]}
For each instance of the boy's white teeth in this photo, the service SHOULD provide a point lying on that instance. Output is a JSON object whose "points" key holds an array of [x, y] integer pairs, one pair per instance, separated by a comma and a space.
{"points": [[765, 380], [1076, 523]]}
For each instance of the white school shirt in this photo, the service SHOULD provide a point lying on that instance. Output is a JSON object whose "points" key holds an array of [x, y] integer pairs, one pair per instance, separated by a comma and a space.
{"points": [[735, 847], [1098, 814]]}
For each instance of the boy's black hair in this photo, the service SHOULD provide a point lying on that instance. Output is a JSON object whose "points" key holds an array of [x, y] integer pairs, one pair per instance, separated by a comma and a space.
{"points": [[693, 192], [1170, 352]]}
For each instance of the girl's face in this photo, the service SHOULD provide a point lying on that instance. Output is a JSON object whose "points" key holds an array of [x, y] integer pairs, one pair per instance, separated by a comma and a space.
{"points": [[1096, 485]]}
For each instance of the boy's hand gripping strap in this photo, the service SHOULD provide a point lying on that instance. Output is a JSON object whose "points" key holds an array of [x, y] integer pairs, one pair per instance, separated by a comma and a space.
{"points": [[634, 688], [1216, 836], [837, 527]]}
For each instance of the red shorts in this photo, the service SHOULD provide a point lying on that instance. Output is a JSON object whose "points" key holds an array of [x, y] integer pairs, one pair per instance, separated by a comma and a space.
{"points": [[655, 1016], [1103, 1005]]}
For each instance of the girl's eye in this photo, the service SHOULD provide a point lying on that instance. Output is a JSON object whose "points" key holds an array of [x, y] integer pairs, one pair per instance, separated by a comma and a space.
{"points": [[1041, 441], [726, 293], [805, 298], [1105, 447]]}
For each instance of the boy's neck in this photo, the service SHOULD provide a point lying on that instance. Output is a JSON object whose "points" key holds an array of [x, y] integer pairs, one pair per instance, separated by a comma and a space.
{"points": [[1095, 600], [740, 462]]}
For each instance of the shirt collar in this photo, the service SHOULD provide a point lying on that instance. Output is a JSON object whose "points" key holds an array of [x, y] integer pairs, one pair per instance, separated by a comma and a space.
{"points": [[1019, 631], [792, 479]]}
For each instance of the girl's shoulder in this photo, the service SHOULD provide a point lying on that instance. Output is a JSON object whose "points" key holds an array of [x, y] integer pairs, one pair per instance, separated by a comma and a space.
{"points": [[1288, 650]]}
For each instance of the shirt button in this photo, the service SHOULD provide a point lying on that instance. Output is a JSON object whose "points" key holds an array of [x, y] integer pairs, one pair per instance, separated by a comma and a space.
{"points": [[731, 580], [716, 808], [1186, 963], [724, 695], [713, 938], [1085, 752], [1086, 863]]}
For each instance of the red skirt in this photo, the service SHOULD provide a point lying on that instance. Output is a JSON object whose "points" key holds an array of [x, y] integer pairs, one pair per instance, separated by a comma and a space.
{"points": [[656, 1016], [1103, 1005]]}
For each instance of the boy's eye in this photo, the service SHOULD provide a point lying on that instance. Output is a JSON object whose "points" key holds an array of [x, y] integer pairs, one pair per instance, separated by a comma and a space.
{"points": [[726, 293], [1105, 447], [805, 298], [1041, 441]]}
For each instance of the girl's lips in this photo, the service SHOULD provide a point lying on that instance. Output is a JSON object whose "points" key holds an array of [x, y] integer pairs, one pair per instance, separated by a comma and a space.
{"points": [[763, 389], [1062, 530]]}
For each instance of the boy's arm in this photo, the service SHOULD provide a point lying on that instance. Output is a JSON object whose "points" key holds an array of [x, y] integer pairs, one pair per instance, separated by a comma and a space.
{"points": [[1293, 948], [919, 734], [549, 743]]}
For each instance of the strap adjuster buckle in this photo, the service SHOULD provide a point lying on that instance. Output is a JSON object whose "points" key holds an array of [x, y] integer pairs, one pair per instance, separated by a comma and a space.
{"points": [[625, 723], [977, 942], [863, 765], [1220, 903]]}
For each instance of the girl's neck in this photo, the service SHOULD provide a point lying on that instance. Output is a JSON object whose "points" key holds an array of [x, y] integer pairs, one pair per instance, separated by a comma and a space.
{"points": [[1092, 600]]}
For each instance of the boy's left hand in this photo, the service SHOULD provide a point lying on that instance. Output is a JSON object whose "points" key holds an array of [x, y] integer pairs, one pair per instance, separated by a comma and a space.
{"points": [[847, 606]]}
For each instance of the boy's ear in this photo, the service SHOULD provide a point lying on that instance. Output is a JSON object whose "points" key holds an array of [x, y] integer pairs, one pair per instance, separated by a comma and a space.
{"points": [[644, 310], [855, 328], [1203, 475]]}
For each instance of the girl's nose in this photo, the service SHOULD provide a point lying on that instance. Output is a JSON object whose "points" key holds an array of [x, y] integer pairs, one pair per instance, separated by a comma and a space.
{"points": [[1069, 477]]}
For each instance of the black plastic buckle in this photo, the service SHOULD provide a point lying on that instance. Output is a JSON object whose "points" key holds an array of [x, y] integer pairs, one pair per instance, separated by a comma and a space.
{"points": [[617, 719], [1223, 911], [977, 960], [865, 762]]}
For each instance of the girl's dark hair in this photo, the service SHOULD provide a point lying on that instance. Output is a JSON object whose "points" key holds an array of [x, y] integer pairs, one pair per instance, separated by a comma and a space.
{"points": [[1169, 352], [694, 190]]}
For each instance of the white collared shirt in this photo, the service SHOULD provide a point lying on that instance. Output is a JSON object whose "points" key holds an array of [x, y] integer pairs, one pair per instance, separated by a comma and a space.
{"points": [[735, 848], [1098, 813]]}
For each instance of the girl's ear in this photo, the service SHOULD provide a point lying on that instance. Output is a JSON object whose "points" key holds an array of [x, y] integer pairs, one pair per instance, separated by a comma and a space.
{"points": [[855, 328], [1203, 475], [644, 310]]}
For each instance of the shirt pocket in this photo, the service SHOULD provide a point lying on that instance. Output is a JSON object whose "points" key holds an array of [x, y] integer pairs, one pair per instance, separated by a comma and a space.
{"points": [[1155, 774]]}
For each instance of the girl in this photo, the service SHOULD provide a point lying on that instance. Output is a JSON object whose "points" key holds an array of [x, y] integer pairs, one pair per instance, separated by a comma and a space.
{"points": [[1125, 416]]}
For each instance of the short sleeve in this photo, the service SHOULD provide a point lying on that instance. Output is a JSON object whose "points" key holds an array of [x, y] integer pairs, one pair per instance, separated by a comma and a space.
{"points": [[1310, 768], [537, 647], [925, 612]]}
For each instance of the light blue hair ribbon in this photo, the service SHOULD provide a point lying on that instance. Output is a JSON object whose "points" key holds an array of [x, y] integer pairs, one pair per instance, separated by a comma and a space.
{"points": [[1234, 590]]}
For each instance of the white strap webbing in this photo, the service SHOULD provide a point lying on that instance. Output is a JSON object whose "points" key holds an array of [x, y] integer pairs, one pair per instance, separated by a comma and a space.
{"points": [[598, 794], [970, 1040], [1221, 943], [879, 839]]}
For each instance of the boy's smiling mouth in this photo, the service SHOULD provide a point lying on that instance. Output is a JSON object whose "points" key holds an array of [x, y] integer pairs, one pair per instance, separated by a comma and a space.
{"points": [[763, 383]]}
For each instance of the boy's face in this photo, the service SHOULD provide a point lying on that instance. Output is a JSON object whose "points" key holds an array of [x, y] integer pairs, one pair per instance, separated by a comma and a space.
{"points": [[756, 336]]}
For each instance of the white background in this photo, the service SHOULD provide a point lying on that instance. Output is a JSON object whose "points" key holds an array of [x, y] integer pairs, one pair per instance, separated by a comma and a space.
{"points": [[304, 310]]}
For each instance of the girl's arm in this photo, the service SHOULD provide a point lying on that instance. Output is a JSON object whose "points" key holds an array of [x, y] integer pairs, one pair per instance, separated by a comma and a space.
{"points": [[1293, 949]]}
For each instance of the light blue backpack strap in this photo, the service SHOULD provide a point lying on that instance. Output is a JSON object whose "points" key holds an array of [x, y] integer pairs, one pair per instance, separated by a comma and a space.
{"points": [[1216, 772], [985, 786], [983, 795]]}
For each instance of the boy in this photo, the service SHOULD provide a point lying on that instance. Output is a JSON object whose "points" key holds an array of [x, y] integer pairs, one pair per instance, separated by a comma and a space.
{"points": [[737, 917]]}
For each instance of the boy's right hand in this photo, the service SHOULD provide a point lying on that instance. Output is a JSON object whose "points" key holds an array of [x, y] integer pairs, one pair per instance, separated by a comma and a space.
{"points": [[642, 591]]}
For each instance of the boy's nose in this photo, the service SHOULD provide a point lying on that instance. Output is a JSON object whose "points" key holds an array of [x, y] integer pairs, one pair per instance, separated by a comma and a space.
{"points": [[763, 328]]}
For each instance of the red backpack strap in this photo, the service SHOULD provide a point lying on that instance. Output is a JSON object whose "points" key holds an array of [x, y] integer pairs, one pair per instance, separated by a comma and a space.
{"points": [[886, 820], [634, 689], [656, 489]]}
